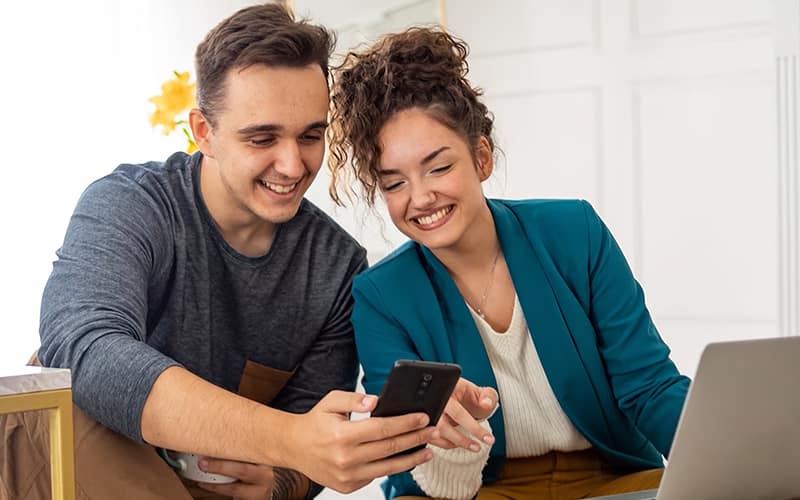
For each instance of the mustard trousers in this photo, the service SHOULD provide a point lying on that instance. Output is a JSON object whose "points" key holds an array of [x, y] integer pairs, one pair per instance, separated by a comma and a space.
{"points": [[563, 476]]}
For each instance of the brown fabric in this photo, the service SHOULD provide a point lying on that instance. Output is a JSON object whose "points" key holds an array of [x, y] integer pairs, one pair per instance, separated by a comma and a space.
{"points": [[107, 464], [262, 383], [563, 476], [20, 472]]}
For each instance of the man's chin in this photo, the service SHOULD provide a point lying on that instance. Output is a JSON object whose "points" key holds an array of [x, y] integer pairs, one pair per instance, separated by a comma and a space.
{"points": [[280, 216]]}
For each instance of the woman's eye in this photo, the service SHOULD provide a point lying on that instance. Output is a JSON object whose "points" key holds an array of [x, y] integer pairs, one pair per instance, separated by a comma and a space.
{"points": [[392, 186], [442, 169]]}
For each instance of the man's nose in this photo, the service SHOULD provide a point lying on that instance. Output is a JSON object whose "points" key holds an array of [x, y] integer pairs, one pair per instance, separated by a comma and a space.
{"points": [[289, 161]]}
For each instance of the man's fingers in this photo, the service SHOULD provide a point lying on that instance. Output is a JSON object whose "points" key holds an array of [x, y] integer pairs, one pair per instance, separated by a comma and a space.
{"points": [[347, 402], [392, 465], [378, 428], [379, 449], [243, 471]]}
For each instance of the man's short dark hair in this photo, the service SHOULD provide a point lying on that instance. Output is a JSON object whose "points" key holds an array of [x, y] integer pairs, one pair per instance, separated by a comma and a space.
{"points": [[261, 34]]}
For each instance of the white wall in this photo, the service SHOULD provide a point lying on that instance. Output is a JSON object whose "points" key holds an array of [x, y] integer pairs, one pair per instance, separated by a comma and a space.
{"points": [[75, 82], [661, 112]]}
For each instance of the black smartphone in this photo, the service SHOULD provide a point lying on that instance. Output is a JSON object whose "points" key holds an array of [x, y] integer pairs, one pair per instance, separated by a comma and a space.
{"points": [[417, 386]]}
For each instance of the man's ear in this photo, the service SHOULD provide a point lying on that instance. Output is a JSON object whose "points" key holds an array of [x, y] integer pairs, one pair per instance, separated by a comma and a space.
{"points": [[201, 130], [484, 158]]}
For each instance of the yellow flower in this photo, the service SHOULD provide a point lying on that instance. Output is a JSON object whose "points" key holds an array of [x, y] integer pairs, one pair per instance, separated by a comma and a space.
{"points": [[172, 106], [192, 146], [177, 94], [165, 119]]}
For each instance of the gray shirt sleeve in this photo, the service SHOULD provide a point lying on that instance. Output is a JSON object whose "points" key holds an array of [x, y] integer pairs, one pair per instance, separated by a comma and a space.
{"points": [[94, 307]]}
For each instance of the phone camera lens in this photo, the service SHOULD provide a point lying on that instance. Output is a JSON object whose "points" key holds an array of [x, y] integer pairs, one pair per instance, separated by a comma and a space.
{"points": [[427, 377]]}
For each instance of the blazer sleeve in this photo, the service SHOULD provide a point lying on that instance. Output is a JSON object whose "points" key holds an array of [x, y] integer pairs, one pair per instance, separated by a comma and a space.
{"points": [[645, 382], [381, 340]]}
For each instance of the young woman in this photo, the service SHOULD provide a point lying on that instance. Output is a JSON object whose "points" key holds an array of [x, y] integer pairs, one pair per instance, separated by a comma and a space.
{"points": [[532, 298]]}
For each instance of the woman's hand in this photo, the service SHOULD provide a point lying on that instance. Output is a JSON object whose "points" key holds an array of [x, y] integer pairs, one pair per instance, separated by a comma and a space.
{"points": [[468, 405]]}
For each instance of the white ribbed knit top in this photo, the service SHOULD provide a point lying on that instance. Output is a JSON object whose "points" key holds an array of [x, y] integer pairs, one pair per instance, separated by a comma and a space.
{"points": [[534, 421]]}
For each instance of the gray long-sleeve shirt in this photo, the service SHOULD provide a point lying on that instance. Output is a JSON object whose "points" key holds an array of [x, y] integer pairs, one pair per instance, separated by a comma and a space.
{"points": [[144, 280]]}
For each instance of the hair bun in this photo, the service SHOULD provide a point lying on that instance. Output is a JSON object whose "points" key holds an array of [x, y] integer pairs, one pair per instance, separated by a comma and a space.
{"points": [[421, 67]]}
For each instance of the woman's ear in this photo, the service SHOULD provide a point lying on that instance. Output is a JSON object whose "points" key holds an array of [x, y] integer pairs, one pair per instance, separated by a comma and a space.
{"points": [[484, 158], [201, 130]]}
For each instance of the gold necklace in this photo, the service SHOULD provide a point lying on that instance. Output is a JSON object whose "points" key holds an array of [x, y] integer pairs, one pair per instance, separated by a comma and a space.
{"points": [[479, 309]]}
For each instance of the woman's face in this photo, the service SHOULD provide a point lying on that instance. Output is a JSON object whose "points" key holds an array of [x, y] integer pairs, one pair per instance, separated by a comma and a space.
{"points": [[430, 181]]}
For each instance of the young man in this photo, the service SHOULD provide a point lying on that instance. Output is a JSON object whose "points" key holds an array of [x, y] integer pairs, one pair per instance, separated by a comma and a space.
{"points": [[183, 283]]}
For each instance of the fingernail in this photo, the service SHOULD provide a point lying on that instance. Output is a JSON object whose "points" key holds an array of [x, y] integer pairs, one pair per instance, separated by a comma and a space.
{"points": [[487, 401], [488, 439], [428, 454], [423, 420], [202, 464], [367, 400], [474, 447]]}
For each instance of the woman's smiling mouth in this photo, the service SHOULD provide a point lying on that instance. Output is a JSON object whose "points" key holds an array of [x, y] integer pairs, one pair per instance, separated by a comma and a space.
{"points": [[433, 218]]}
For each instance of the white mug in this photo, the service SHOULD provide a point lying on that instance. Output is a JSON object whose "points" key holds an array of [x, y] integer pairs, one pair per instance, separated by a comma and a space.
{"points": [[186, 465]]}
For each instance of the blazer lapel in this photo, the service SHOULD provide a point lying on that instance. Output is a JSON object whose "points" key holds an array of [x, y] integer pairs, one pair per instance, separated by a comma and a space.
{"points": [[551, 336], [465, 341]]}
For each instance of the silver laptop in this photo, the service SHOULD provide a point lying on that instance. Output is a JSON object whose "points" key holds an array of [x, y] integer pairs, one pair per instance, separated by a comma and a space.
{"points": [[739, 433]]}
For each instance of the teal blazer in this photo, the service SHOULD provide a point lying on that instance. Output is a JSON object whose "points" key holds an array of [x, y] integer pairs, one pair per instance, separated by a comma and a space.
{"points": [[605, 361]]}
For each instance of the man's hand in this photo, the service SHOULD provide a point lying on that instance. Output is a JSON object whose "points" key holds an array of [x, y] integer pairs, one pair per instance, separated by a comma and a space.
{"points": [[343, 455], [467, 406], [255, 482]]}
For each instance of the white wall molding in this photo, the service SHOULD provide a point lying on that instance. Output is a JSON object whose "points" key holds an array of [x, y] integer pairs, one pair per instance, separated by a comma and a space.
{"points": [[787, 54], [686, 18], [649, 88]]}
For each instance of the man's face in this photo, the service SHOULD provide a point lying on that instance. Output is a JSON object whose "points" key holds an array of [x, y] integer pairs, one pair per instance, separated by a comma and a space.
{"points": [[266, 148]]}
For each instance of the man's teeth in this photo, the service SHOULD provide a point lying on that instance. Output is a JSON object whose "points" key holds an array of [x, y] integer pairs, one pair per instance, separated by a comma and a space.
{"points": [[430, 219], [278, 188]]}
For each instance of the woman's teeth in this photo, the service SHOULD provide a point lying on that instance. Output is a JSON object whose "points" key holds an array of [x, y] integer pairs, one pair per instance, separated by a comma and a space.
{"points": [[430, 219]]}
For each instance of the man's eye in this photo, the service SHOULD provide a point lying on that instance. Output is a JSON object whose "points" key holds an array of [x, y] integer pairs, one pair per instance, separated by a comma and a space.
{"points": [[311, 138], [262, 141]]}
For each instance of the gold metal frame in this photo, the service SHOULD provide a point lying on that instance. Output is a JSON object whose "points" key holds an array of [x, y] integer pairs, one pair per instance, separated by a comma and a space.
{"points": [[62, 455]]}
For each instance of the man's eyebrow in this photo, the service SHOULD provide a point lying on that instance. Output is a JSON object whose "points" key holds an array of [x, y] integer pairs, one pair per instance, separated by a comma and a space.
{"points": [[259, 129], [428, 158], [266, 128]]}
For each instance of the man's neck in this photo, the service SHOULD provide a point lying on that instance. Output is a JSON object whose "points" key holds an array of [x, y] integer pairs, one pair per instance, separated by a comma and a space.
{"points": [[241, 229]]}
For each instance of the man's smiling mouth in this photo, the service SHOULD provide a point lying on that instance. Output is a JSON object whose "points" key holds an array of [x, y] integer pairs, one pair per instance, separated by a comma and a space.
{"points": [[278, 188]]}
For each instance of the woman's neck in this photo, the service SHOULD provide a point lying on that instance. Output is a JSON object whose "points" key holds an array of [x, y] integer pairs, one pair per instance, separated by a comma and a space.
{"points": [[476, 249]]}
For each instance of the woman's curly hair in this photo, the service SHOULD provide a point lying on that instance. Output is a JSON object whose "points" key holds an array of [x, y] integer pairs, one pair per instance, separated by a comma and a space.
{"points": [[422, 68]]}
